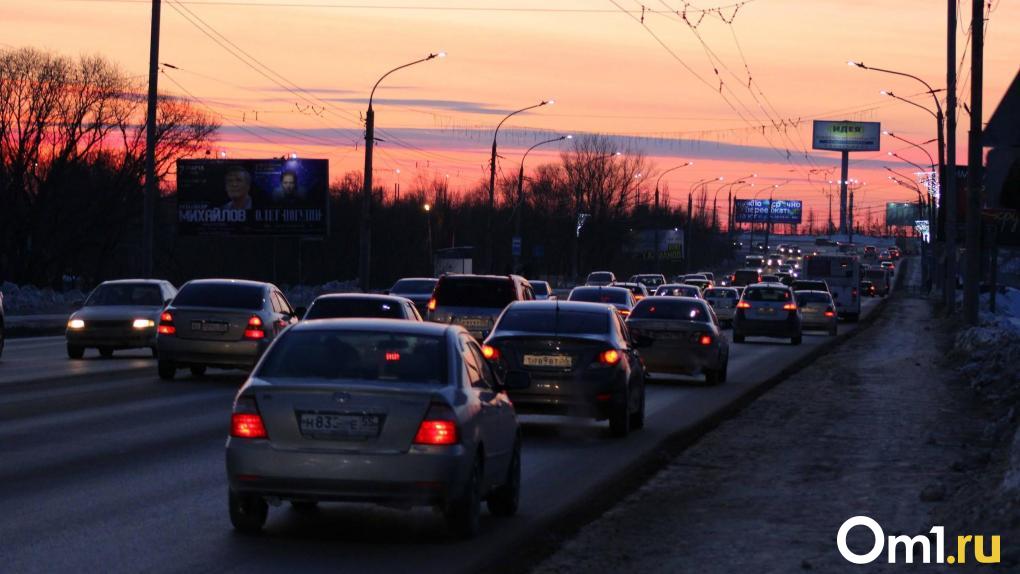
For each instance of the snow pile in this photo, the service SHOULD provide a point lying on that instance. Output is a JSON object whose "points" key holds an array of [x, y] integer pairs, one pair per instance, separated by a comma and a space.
{"points": [[990, 353], [29, 299], [303, 295]]}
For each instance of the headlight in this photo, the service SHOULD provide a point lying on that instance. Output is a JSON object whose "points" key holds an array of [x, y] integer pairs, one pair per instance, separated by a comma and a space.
{"points": [[76, 324], [143, 324]]}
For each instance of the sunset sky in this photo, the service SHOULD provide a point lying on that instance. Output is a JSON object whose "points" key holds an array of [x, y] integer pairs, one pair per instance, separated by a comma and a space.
{"points": [[311, 64]]}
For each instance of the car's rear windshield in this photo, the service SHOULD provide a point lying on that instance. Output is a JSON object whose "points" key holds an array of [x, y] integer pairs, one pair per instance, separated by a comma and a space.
{"points": [[650, 280], [811, 297], [340, 308], [414, 286], [550, 321], [673, 310], [809, 286], [491, 292], [135, 294], [596, 295], [675, 291], [361, 355], [767, 294], [221, 295], [540, 288], [720, 294], [746, 275], [600, 276]]}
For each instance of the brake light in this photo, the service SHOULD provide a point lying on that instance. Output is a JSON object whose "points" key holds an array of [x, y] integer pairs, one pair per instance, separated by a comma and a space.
{"points": [[853, 293], [166, 324], [438, 428], [254, 330], [625, 312], [790, 307], [432, 304], [705, 340], [245, 421], [743, 305], [490, 352], [610, 357], [829, 312]]}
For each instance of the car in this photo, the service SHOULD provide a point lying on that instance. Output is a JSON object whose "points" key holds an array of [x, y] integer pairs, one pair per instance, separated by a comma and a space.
{"points": [[417, 289], [222, 323], [772, 278], [3, 330], [383, 411], [708, 275], [895, 253], [785, 278], [790, 269], [868, 289], [809, 285], [774, 260], [542, 290], [825, 241], [579, 358], [888, 265], [742, 277], [767, 310], [475, 301], [689, 276], [678, 290], [118, 315], [723, 301], [680, 336], [699, 283], [737, 245], [361, 306], [621, 298], [884, 255], [817, 311], [870, 251], [650, 280], [639, 290], [600, 278]]}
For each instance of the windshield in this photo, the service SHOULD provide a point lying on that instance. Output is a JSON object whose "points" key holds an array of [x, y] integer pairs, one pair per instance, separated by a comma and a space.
{"points": [[720, 294], [221, 295], [596, 295], [550, 321], [135, 294], [811, 297], [675, 310], [341, 308], [491, 292], [414, 286], [767, 295], [362, 355]]}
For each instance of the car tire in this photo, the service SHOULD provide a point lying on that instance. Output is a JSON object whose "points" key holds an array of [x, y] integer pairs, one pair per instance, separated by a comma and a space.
{"points": [[167, 369], [796, 339], [619, 419], [637, 420], [155, 353], [75, 352], [248, 512], [105, 352], [198, 370], [462, 514], [504, 500], [738, 337]]}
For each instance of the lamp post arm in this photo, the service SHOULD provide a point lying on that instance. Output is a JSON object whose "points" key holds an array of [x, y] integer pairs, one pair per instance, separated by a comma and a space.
{"points": [[425, 59]]}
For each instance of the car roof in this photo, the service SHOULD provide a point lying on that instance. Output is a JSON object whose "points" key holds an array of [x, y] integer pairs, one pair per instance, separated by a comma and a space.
{"points": [[123, 281], [227, 282], [363, 297], [676, 285], [399, 326], [813, 291], [765, 284], [586, 306], [720, 289], [415, 279], [670, 299]]}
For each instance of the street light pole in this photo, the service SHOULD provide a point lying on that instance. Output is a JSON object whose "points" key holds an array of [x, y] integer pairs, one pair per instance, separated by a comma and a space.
{"points": [[151, 185], [365, 231], [492, 184], [655, 218], [519, 211]]}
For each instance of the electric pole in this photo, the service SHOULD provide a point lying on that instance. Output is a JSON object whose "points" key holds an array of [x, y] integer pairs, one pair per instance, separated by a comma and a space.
{"points": [[151, 185], [974, 167], [949, 177]]}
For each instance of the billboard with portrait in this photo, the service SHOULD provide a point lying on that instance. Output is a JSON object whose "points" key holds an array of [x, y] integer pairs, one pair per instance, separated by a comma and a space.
{"points": [[762, 210], [264, 197], [846, 136], [903, 213]]}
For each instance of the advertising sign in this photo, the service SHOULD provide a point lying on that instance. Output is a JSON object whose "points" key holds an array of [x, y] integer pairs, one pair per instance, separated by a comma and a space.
{"points": [[847, 136], [902, 213], [253, 197], [764, 211]]}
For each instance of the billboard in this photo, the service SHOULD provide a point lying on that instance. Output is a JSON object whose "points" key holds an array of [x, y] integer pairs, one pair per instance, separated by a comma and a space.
{"points": [[266, 197], [903, 213], [764, 211], [846, 136]]}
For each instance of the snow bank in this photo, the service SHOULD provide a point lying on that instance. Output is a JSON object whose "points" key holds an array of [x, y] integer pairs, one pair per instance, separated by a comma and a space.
{"points": [[30, 299]]}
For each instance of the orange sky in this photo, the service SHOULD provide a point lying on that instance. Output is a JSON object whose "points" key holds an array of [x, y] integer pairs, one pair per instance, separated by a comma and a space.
{"points": [[604, 67]]}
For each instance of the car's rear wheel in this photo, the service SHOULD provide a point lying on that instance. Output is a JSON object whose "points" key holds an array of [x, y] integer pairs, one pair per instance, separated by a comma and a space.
{"points": [[248, 512], [167, 370], [505, 500], [619, 419], [463, 513], [197, 370], [75, 351], [796, 339], [105, 352]]}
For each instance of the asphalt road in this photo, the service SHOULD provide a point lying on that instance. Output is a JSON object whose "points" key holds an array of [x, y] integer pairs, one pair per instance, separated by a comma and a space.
{"points": [[103, 467]]}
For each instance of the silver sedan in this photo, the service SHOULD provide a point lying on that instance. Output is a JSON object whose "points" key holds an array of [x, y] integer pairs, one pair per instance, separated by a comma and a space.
{"points": [[375, 410], [118, 315]]}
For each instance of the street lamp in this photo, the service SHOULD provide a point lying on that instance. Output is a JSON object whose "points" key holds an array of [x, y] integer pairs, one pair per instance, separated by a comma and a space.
{"points": [[492, 180], [428, 234], [520, 192], [655, 217], [917, 145], [365, 232], [715, 214]]}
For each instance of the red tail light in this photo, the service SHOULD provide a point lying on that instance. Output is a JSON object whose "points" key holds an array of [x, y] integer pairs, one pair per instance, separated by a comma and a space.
{"points": [[743, 305], [853, 293], [254, 330], [245, 421], [491, 353], [790, 307], [166, 324], [829, 312], [610, 357], [438, 428], [705, 340], [432, 304]]}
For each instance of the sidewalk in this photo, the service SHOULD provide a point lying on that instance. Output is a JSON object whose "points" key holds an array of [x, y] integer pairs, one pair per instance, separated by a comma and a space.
{"points": [[873, 429]]}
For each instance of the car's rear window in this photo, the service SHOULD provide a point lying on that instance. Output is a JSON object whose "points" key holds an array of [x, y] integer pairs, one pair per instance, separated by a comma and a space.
{"points": [[551, 321], [332, 354], [810, 297], [340, 308], [673, 310], [809, 286], [413, 286], [475, 292], [221, 295], [596, 295], [650, 280], [720, 294], [601, 276], [675, 291], [136, 294], [746, 276], [540, 288], [767, 294]]}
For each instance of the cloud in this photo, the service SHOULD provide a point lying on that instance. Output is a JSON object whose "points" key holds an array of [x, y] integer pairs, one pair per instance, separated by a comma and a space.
{"points": [[452, 105]]}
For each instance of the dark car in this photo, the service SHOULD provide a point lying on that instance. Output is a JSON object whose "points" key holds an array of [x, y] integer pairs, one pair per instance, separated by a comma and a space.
{"points": [[543, 291], [475, 301], [640, 290], [868, 289], [809, 285], [222, 323], [621, 298], [742, 277], [600, 278], [678, 290], [417, 289], [580, 360], [3, 334], [650, 280], [362, 306], [680, 335], [767, 310], [118, 315]]}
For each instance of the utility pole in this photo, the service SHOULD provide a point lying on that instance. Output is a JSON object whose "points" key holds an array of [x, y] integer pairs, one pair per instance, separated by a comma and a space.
{"points": [[850, 218], [949, 177], [151, 185], [844, 171], [365, 230], [974, 167]]}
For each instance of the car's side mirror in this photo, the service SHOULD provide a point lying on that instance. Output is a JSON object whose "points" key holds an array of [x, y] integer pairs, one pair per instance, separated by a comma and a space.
{"points": [[517, 380], [300, 312]]}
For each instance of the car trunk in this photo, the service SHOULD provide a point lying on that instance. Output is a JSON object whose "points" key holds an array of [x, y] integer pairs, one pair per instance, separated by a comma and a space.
{"points": [[666, 331], [350, 417], [211, 324], [545, 354]]}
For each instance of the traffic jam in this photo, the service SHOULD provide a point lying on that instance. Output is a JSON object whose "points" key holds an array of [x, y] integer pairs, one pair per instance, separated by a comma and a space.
{"points": [[414, 397]]}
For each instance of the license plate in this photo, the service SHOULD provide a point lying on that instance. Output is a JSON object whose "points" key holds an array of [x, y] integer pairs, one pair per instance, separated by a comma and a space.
{"points": [[210, 327], [332, 425], [558, 361], [473, 324]]}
